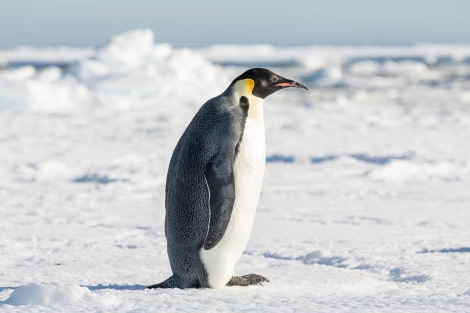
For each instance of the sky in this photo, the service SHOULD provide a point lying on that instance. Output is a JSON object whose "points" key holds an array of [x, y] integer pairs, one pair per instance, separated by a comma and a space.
{"points": [[199, 23]]}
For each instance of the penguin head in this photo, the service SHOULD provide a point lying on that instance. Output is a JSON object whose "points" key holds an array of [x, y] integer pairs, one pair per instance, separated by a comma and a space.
{"points": [[265, 82]]}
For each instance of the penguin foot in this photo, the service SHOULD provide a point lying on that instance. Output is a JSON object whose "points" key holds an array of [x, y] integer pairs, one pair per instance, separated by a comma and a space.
{"points": [[247, 280]]}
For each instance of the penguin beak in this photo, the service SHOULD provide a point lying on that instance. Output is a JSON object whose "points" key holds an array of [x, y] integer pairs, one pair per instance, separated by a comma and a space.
{"points": [[290, 83]]}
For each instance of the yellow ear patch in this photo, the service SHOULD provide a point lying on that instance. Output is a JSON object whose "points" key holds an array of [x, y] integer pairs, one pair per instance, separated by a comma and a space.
{"points": [[245, 87], [250, 84]]}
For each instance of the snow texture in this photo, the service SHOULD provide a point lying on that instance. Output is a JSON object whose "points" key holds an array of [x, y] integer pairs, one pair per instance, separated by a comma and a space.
{"points": [[365, 205]]}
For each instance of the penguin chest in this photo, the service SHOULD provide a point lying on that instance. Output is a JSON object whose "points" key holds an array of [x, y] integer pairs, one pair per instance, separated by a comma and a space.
{"points": [[248, 170]]}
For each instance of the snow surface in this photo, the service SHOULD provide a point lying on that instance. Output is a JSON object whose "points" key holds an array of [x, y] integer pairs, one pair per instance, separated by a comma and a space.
{"points": [[365, 205]]}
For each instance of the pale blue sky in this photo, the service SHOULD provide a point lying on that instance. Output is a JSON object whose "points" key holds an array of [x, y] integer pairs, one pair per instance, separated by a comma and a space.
{"points": [[195, 23]]}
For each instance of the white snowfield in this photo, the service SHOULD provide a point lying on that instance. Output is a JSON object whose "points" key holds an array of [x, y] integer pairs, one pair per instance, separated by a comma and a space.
{"points": [[365, 205]]}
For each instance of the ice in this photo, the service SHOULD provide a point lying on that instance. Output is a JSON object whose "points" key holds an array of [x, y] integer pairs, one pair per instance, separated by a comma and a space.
{"points": [[365, 203]]}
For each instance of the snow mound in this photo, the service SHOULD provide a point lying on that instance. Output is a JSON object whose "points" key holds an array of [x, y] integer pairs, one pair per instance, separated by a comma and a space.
{"points": [[47, 171], [56, 295], [41, 294]]}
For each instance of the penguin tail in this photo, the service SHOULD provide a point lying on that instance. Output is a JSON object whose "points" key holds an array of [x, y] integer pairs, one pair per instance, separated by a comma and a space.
{"points": [[172, 282], [160, 285]]}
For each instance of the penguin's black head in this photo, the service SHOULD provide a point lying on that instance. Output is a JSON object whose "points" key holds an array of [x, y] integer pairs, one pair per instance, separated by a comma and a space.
{"points": [[267, 82]]}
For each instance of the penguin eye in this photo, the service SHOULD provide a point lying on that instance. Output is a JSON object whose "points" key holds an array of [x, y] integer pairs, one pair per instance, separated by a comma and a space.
{"points": [[272, 80]]}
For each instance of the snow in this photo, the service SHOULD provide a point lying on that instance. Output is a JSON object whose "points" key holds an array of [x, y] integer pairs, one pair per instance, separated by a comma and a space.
{"points": [[365, 203]]}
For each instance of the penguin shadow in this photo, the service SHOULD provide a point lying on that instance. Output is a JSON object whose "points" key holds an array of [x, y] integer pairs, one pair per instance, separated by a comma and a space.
{"points": [[115, 287]]}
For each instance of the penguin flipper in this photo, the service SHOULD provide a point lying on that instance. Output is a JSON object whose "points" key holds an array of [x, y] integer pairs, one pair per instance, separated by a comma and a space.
{"points": [[221, 184]]}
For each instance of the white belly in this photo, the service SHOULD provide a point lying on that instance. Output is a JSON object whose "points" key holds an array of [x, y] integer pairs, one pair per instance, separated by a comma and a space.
{"points": [[248, 171]]}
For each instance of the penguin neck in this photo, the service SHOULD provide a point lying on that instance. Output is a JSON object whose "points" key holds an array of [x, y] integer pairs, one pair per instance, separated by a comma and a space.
{"points": [[244, 88]]}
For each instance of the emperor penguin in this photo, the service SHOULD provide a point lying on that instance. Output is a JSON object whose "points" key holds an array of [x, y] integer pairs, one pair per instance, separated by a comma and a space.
{"points": [[214, 182]]}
